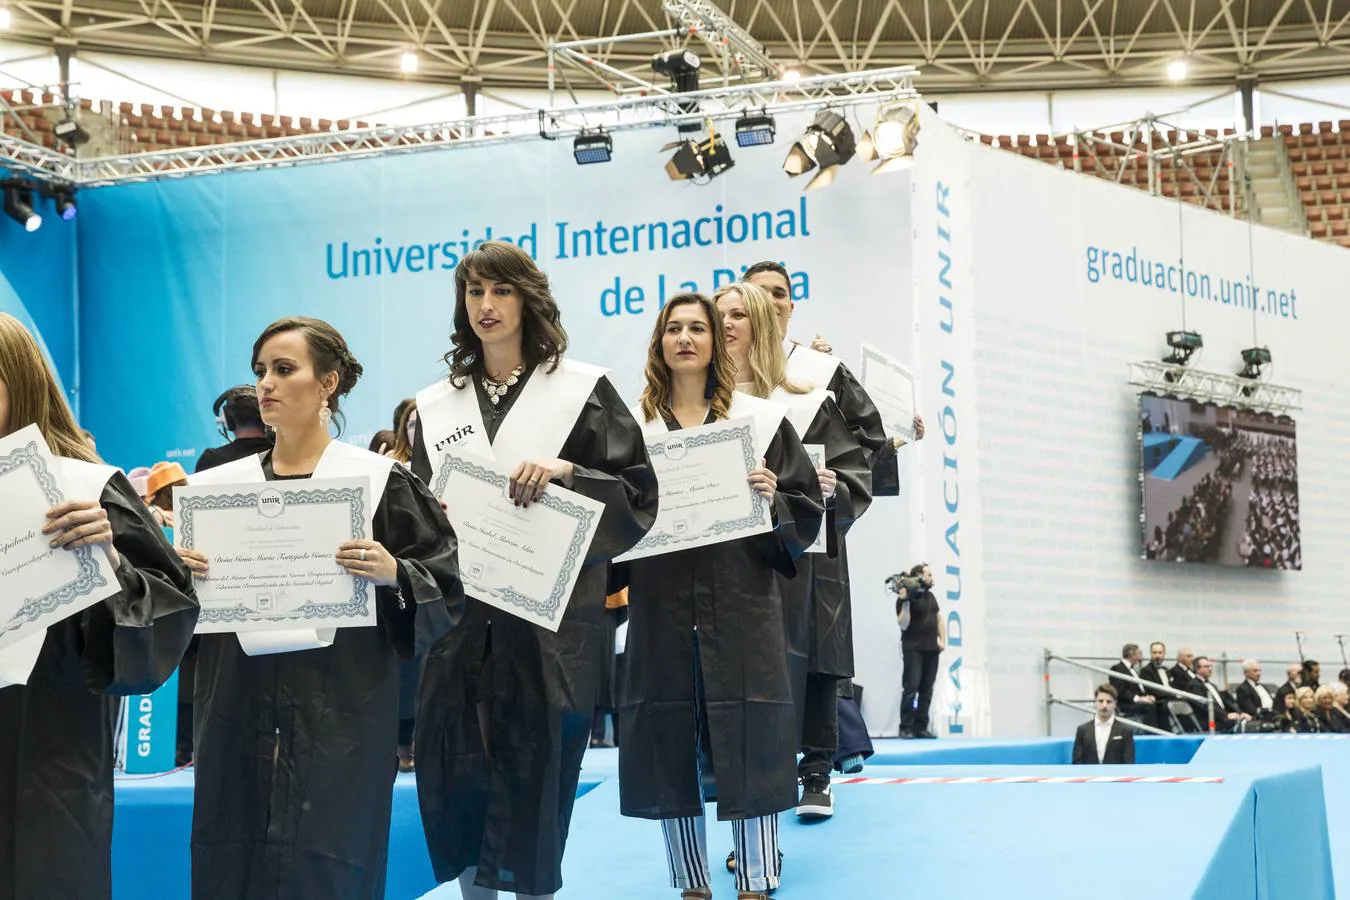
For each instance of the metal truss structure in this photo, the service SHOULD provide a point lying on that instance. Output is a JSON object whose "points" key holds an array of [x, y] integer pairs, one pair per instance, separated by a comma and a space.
{"points": [[1171, 380], [664, 110], [961, 44]]}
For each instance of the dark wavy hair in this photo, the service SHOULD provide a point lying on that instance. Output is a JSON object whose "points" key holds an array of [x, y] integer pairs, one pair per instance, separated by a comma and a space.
{"points": [[543, 339], [328, 350], [721, 370]]}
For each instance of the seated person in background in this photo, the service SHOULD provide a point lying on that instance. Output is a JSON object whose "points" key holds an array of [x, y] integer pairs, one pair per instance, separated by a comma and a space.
{"points": [[164, 476], [1104, 740], [1329, 719], [1312, 673], [1293, 681], [1285, 719], [382, 442], [1156, 671], [1227, 716], [1254, 698], [240, 422], [1305, 712], [1340, 696], [1134, 701], [1181, 675]]}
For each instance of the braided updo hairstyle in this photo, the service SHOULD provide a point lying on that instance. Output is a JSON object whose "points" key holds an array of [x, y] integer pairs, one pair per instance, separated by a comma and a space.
{"points": [[327, 348]]}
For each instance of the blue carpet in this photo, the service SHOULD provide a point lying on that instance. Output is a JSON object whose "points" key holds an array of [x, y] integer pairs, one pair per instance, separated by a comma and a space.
{"points": [[1185, 454]]}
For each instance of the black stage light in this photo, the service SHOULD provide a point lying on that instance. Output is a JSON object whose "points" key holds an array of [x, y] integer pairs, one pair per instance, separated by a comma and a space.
{"points": [[827, 144], [19, 207], [1183, 344], [699, 159], [593, 148], [681, 66], [754, 130], [70, 132], [1253, 358], [893, 138], [64, 198]]}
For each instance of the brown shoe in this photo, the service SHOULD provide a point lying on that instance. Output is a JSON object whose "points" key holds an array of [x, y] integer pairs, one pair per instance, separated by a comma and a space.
{"points": [[703, 893], [753, 895], [405, 758]]}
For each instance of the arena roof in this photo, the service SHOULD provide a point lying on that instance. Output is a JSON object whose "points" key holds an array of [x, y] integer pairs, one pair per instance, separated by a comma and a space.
{"points": [[959, 44]]}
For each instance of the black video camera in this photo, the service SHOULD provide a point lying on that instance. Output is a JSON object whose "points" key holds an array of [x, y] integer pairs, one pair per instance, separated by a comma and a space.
{"points": [[911, 584]]}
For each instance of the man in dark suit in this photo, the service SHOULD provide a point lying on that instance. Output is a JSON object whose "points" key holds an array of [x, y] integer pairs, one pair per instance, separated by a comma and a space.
{"points": [[1181, 675], [1254, 698], [1156, 671], [1227, 716], [1104, 740], [1293, 681], [1135, 702]]}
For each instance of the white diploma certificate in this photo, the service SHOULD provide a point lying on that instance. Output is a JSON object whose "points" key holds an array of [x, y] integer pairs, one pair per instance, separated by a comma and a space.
{"points": [[891, 387], [817, 454], [272, 551], [706, 497], [42, 585], [521, 560]]}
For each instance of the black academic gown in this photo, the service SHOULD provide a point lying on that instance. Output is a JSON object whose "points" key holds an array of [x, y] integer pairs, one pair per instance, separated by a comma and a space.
{"points": [[508, 814], [729, 592], [863, 420], [816, 602], [56, 732], [295, 752]]}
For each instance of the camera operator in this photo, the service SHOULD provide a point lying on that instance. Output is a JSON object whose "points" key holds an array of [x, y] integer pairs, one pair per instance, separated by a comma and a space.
{"points": [[236, 413], [924, 639]]}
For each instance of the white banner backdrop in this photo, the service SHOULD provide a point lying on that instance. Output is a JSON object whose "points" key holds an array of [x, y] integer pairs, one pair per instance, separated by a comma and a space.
{"points": [[1074, 278]]}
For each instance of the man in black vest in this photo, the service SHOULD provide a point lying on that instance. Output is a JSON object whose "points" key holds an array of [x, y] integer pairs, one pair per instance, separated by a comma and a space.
{"points": [[1104, 740]]}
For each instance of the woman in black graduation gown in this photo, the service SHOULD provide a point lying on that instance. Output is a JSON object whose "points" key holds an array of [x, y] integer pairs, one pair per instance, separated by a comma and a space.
{"points": [[56, 743], [295, 753], [707, 683], [506, 707], [820, 645]]}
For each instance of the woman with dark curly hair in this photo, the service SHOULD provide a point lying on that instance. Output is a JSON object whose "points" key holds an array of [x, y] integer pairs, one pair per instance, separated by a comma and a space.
{"points": [[506, 706]]}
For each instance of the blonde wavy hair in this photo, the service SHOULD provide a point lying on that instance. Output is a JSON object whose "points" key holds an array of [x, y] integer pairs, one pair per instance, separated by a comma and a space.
{"points": [[721, 371], [34, 396], [768, 365]]}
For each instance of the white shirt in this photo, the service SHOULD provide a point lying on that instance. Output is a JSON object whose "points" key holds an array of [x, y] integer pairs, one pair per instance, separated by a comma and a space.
{"points": [[1103, 730], [1267, 702]]}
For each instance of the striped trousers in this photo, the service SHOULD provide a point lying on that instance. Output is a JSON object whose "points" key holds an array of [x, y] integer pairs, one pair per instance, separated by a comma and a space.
{"points": [[758, 866]]}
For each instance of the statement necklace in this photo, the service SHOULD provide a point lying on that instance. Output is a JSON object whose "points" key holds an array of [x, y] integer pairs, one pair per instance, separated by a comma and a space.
{"points": [[496, 390]]}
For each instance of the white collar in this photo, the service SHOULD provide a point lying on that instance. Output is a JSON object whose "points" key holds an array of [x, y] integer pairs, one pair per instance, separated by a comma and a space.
{"points": [[1107, 724]]}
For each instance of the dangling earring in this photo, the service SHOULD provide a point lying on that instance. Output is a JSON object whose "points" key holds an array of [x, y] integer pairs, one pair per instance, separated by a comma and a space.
{"points": [[325, 414]]}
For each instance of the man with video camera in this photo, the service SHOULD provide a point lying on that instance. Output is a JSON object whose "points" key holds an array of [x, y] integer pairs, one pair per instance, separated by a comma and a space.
{"points": [[924, 638]]}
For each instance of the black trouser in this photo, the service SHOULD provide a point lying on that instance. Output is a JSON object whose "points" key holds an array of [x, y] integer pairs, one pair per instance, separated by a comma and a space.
{"points": [[820, 725], [921, 668]]}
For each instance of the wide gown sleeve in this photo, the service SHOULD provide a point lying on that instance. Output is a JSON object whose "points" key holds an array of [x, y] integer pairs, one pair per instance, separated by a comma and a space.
{"points": [[846, 457], [133, 640], [610, 464], [858, 410], [797, 504], [413, 528]]}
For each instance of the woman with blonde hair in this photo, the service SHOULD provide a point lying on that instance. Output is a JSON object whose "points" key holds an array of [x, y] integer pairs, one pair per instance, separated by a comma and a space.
{"points": [[1305, 711], [706, 658], [816, 602], [1329, 718], [56, 763]]}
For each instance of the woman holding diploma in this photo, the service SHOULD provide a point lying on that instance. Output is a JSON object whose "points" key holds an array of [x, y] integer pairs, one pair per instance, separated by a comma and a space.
{"points": [[506, 706], [707, 671], [820, 641], [295, 750], [56, 762]]}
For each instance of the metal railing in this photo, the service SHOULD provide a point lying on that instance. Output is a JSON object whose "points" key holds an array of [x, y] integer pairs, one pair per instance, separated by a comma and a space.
{"points": [[1152, 687]]}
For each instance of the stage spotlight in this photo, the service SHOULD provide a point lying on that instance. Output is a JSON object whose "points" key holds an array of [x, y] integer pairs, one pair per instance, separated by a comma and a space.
{"points": [[754, 130], [592, 148], [70, 132], [893, 139], [792, 75], [827, 144], [1183, 344], [699, 159], [1177, 70], [6, 18], [1253, 358], [682, 67], [409, 62], [19, 207], [65, 204]]}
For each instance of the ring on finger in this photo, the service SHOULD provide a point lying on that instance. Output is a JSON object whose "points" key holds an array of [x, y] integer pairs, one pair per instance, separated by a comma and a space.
{"points": [[362, 557]]}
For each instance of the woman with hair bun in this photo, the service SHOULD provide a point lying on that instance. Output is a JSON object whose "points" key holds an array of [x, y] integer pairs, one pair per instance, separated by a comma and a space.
{"points": [[295, 748]]}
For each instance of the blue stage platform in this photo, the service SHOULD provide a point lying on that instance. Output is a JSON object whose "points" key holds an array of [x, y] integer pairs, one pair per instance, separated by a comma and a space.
{"points": [[1187, 452], [1265, 832]]}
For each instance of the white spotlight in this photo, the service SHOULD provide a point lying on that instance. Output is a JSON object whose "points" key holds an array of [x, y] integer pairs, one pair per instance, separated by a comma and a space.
{"points": [[409, 62], [791, 75], [1177, 70], [6, 18]]}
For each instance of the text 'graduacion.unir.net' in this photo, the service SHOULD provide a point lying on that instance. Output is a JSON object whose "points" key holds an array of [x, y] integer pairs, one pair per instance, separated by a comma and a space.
{"points": [[378, 257]]}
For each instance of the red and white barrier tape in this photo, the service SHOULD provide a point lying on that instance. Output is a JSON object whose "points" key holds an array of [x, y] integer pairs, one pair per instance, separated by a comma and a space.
{"points": [[1041, 779]]}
